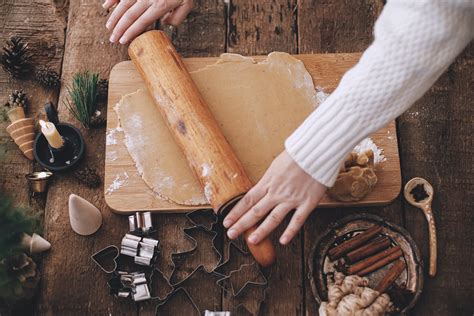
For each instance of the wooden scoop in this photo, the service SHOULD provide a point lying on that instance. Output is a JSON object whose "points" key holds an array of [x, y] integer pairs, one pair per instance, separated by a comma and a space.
{"points": [[194, 128], [425, 205]]}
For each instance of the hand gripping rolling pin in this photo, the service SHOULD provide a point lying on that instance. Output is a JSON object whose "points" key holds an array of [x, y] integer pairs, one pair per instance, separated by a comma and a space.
{"points": [[194, 128]]}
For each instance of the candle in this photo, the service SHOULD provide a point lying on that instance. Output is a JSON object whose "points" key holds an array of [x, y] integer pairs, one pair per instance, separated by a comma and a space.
{"points": [[52, 135]]}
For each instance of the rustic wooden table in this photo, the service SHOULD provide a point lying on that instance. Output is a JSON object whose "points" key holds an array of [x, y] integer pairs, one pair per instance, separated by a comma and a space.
{"points": [[435, 137]]}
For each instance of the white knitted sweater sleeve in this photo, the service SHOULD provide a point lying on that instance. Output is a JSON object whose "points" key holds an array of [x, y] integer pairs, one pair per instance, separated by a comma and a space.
{"points": [[414, 42]]}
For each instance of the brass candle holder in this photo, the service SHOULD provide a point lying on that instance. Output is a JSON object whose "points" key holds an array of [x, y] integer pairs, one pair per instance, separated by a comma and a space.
{"points": [[39, 180]]}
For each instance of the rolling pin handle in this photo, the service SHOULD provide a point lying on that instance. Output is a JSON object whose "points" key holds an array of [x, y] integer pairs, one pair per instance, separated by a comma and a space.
{"points": [[264, 251]]}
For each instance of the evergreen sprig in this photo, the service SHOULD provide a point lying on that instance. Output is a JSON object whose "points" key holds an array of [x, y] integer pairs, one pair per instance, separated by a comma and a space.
{"points": [[14, 221], [82, 101]]}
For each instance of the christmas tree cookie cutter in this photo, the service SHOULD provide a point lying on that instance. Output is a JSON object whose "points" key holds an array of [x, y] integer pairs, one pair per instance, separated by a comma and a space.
{"points": [[227, 284], [181, 286], [179, 257]]}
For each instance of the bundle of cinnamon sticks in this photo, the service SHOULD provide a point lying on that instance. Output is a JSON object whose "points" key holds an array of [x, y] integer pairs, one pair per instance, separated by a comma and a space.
{"points": [[366, 252]]}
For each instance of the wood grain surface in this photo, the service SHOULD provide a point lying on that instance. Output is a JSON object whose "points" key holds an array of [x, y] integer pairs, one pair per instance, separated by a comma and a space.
{"points": [[435, 141], [135, 194], [45, 33], [71, 285]]}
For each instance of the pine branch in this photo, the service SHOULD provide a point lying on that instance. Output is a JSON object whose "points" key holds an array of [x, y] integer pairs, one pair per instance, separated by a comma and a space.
{"points": [[82, 101], [14, 221]]}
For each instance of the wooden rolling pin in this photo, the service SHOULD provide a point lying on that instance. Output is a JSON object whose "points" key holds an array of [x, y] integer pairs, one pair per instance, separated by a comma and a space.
{"points": [[194, 128]]}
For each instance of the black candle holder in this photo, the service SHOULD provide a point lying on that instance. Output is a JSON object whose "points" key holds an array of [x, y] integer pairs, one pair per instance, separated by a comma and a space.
{"points": [[66, 157]]}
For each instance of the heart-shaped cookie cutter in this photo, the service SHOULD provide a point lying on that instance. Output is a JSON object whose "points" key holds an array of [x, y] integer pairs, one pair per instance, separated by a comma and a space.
{"points": [[102, 255]]}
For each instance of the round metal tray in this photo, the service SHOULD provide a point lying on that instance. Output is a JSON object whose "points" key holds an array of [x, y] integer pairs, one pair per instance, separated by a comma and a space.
{"points": [[320, 265]]}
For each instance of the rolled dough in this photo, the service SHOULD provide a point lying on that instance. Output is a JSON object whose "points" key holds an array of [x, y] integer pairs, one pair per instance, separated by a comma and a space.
{"points": [[247, 98]]}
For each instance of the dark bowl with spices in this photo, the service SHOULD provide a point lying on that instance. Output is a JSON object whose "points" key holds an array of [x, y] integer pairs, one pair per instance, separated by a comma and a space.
{"points": [[403, 292]]}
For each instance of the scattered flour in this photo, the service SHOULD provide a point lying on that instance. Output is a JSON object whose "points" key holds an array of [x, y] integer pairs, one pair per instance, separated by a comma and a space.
{"points": [[206, 170], [135, 143], [208, 191], [368, 143], [390, 136], [321, 96], [167, 182], [110, 137], [195, 201], [118, 182], [111, 156]]}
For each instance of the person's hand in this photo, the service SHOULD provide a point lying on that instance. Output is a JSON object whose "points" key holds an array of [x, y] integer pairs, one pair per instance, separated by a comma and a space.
{"points": [[283, 187], [129, 18]]}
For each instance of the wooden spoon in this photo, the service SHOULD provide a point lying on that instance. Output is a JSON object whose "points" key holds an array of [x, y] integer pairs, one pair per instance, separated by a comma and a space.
{"points": [[425, 206]]}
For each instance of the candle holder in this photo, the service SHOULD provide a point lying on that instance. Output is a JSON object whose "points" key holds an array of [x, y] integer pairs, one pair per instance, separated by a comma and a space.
{"points": [[66, 157], [39, 180]]}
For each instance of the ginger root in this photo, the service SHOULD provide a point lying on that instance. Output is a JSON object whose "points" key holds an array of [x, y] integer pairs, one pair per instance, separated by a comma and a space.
{"points": [[356, 178], [352, 297]]}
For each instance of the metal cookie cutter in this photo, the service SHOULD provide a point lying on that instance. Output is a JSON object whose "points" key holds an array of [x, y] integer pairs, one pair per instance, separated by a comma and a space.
{"points": [[211, 313], [233, 251], [180, 257], [140, 223], [134, 285], [142, 249], [204, 218], [173, 296], [188, 285], [160, 283], [251, 295], [227, 284], [106, 258]]}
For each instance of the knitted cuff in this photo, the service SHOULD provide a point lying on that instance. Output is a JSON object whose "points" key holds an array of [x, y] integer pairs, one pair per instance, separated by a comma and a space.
{"points": [[321, 143]]}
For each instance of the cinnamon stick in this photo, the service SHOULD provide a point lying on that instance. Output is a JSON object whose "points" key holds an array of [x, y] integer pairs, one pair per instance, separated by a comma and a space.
{"points": [[351, 244], [371, 260], [381, 263], [391, 276], [374, 246]]}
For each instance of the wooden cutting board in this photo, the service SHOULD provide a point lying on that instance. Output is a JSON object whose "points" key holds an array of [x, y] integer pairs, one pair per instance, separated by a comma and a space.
{"points": [[126, 192]]}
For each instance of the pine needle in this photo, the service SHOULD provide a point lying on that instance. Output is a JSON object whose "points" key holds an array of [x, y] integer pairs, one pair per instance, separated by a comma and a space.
{"points": [[82, 101], [14, 221]]}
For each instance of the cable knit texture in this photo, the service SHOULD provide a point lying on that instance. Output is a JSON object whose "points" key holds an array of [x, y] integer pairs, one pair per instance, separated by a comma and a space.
{"points": [[414, 42]]}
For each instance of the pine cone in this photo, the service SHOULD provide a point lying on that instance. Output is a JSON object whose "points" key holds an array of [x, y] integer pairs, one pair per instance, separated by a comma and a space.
{"points": [[97, 121], [18, 98], [88, 176], [103, 89], [47, 78], [22, 269], [16, 58]]}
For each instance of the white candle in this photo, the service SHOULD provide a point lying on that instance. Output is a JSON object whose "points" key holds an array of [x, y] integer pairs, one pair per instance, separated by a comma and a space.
{"points": [[52, 135]]}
